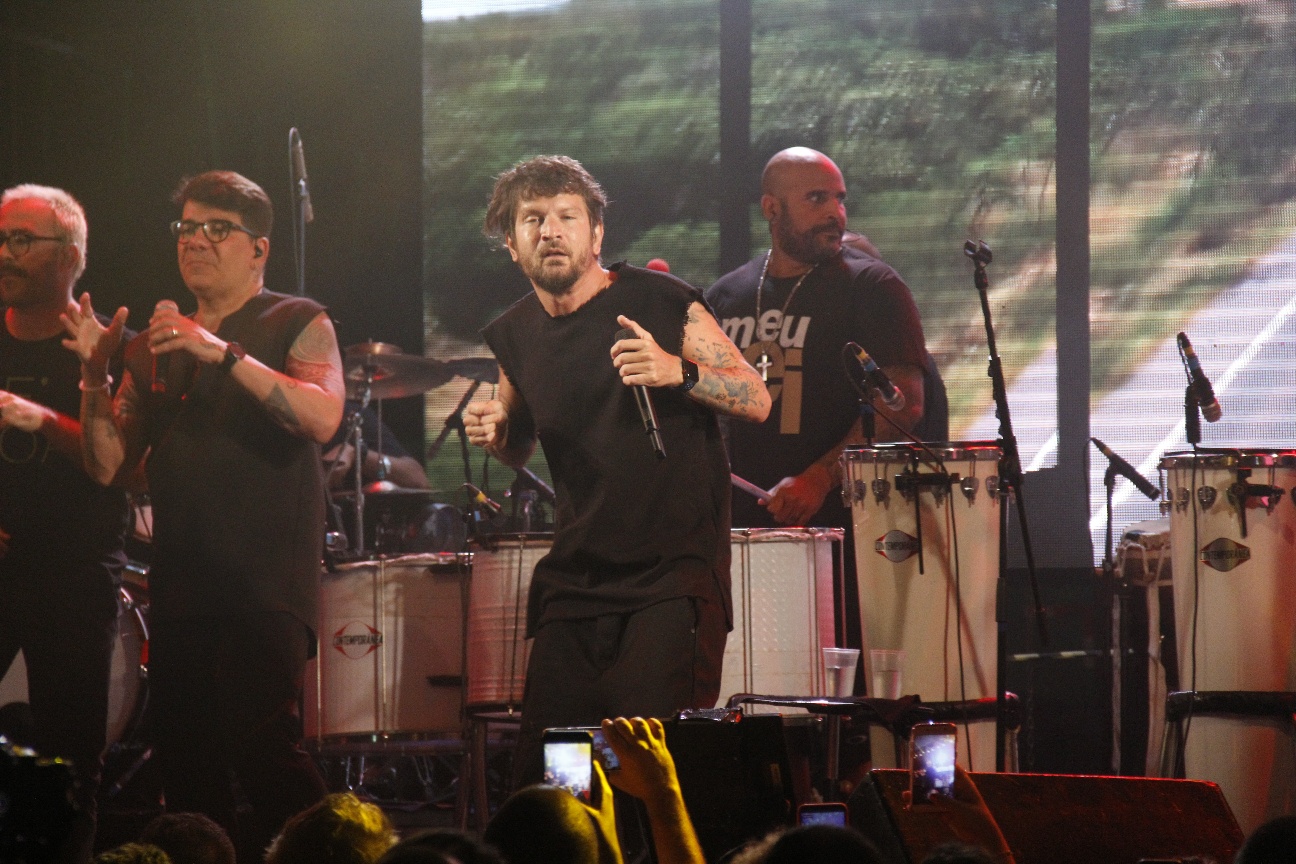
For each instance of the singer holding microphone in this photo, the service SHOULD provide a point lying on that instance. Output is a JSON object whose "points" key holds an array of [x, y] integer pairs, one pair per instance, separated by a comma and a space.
{"points": [[791, 311], [228, 407], [630, 608]]}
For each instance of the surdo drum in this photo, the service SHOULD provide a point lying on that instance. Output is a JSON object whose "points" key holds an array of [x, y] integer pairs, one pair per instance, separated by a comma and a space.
{"points": [[906, 511], [783, 613], [498, 649], [391, 648]]}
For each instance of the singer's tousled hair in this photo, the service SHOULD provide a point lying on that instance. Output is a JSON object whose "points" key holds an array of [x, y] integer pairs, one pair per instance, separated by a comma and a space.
{"points": [[540, 177]]}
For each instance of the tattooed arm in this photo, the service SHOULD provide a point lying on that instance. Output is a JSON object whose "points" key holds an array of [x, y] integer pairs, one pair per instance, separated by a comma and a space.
{"points": [[726, 382], [306, 398]]}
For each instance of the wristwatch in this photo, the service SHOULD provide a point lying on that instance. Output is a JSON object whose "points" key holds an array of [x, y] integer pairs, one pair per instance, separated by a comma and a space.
{"points": [[233, 353], [690, 375]]}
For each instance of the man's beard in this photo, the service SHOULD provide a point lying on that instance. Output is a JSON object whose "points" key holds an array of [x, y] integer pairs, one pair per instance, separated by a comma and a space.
{"points": [[557, 283], [809, 247]]}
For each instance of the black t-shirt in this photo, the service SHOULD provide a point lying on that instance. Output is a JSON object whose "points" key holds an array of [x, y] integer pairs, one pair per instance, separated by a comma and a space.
{"points": [[630, 530], [55, 514], [238, 501], [853, 298]]}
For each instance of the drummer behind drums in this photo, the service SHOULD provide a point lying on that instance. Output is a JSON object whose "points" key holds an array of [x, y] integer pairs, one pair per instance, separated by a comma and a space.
{"points": [[392, 463], [790, 311], [630, 608], [61, 534]]}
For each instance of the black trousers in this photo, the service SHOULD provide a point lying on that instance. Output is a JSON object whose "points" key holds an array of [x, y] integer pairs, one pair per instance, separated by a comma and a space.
{"points": [[650, 663], [225, 693], [66, 625]]}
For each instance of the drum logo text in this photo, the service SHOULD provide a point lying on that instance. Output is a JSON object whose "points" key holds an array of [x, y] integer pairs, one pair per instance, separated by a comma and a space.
{"points": [[357, 639], [1224, 554], [896, 546]]}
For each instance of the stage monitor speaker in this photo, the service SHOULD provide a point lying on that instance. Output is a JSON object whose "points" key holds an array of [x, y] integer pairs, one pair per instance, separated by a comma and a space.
{"points": [[1064, 819], [736, 778]]}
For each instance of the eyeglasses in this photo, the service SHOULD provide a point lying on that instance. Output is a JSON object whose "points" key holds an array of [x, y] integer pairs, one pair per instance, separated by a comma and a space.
{"points": [[214, 230], [20, 241]]}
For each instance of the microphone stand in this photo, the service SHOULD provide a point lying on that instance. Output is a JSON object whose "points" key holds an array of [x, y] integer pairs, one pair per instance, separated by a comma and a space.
{"points": [[1010, 474], [298, 185]]}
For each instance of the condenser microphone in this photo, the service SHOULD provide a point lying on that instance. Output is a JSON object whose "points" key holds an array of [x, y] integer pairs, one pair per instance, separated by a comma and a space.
{"points": [[643, 399], [892, 397], [1126, 470], [1210, 406], [299, 166], [162, 362]]}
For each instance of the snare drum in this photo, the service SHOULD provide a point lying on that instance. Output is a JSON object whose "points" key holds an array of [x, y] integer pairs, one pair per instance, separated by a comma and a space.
{"points": [[128, 677], [783, 611], [1233, 542], [498, 649], [902, 609], [391, 648]]}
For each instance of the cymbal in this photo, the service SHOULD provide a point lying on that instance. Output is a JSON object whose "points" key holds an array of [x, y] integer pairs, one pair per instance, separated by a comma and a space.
{"points": [[390, 373]]}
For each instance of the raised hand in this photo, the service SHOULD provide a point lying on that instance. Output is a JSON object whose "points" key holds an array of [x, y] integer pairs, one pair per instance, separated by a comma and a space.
{"points": [[94, 343]]}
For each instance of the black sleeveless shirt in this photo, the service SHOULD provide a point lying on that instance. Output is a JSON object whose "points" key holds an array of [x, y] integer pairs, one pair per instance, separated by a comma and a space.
{"points": [[238, 501], [630, 530]]}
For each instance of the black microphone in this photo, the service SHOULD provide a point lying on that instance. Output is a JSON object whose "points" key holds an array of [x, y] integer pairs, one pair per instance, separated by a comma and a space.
{"points": [[299, 165], [644, 399], [162, 362], [892, 397], [1126, 470], [1210, 406]]}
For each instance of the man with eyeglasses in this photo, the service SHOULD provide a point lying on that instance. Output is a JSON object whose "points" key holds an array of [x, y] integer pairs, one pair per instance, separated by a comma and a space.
{"points": [[229, 404], [61, 533]]}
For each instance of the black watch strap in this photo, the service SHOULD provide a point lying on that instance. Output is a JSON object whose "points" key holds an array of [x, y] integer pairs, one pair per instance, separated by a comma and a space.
{"points": [[690, 375], [233, 353]]}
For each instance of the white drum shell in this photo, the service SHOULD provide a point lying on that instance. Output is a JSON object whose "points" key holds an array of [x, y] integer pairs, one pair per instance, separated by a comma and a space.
{"points": [[783, 611], [901, 609], [385, 628], [498, 649], [1236, 628], [1143, 558]]}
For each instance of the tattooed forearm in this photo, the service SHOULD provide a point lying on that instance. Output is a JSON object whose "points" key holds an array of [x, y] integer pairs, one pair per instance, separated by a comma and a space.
{"points": [[277, 404]]}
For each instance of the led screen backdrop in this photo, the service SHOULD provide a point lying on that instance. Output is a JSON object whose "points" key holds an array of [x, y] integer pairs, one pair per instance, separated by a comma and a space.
{"points": [[942, 125], [1192, 220], [941, 114]]}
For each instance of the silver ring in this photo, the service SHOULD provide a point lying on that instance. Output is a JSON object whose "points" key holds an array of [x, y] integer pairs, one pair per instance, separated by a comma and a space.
{"points": [[174, 332]]}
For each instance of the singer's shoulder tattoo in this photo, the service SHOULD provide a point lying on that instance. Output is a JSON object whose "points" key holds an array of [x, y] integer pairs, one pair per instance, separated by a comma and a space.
{"points": [[314, 357]]}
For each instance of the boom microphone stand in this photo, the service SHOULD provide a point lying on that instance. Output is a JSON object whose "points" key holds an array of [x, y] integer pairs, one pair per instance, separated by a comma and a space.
{"points": [[1011, 481]]}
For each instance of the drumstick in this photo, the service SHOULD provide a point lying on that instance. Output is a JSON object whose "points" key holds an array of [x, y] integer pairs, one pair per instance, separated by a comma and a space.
{"points": [[748, 487]]}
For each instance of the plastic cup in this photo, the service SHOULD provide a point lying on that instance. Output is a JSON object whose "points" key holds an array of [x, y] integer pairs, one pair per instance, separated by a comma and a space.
{"points": [[839, 670], [885, 667]]}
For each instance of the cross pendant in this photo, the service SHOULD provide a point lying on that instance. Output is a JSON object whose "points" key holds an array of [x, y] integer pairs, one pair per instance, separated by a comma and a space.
{"points": [[763, 364]]}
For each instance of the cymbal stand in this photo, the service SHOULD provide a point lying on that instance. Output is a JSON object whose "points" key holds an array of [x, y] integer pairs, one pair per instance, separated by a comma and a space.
{"points": [[356, 436]]}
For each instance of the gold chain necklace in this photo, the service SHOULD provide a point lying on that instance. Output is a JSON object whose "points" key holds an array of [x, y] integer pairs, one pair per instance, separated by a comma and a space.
{"points": [[763, 362]]}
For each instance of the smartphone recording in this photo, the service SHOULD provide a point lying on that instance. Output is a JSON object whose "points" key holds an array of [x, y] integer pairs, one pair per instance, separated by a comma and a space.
{"points": [[931, 761], [568, 761]]}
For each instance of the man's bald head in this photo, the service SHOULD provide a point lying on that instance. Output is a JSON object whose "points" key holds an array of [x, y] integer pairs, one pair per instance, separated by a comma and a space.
{"points": [[803, 197], [783, 166]]}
